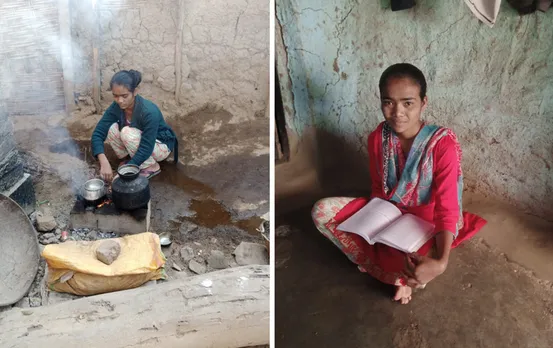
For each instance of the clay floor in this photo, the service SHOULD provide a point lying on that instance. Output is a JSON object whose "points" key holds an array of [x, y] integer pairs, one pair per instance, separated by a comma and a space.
{"points": [[496, 292]]}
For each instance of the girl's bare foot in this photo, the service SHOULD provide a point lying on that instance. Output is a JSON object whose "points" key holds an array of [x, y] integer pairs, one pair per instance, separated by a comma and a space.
{"points": [[403, 294], [151, 171]]}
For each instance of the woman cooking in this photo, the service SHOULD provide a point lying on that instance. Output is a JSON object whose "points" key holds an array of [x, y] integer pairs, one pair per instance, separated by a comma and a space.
{"points": [[134, 127], [417, 167]]}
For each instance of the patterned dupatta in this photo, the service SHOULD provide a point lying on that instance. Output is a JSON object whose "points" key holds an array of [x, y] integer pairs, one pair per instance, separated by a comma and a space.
{"points": [[414, 186]]}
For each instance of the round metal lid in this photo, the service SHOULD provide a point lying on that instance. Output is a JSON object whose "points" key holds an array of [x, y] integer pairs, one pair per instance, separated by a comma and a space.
{"points": [[19, 252]]}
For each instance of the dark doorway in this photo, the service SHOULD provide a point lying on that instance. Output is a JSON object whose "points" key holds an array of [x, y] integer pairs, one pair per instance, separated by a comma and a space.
{"points": [[282, 147]]}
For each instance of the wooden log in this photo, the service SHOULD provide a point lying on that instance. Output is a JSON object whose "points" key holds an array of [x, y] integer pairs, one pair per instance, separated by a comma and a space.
{"points": [[178, 52], [96, 59], [228, 308], [96, 80]]}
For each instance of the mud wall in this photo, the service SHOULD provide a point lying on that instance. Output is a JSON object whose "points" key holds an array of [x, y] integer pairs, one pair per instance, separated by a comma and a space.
{"points": [[491, 85], [83, 26], [192, 53], [140, 35], [31, 80]]}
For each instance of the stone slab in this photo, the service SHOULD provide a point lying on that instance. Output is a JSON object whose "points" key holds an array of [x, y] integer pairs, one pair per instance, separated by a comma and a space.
{"points": [[83, 220], [7, 144], [121, 222], [11, 170], [23, 193]]}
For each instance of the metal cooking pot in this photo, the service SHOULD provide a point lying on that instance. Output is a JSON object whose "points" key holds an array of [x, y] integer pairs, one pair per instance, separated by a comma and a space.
{"points": [[130, 190], [93, 190]]}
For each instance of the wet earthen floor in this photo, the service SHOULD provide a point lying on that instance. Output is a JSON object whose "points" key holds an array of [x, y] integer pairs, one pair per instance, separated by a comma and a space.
{"points": [[178, 197], [482, 300]]}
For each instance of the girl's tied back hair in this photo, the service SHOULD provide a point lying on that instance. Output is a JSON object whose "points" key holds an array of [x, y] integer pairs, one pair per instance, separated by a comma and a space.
{"points": [[128, 78], [403, 70]]}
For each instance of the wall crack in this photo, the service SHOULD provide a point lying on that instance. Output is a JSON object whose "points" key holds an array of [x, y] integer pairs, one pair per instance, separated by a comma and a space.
{"points": [[438, 36]]}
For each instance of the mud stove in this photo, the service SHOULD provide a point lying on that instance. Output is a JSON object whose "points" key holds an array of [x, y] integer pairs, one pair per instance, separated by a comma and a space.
{"points": [[104, 216]]}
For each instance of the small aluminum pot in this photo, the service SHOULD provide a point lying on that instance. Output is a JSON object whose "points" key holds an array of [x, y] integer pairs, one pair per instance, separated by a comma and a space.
{"points": [[93, 190]]}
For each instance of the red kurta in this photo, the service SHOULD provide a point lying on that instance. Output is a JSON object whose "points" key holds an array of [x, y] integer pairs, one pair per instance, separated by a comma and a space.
{"points": [[386, 263]]}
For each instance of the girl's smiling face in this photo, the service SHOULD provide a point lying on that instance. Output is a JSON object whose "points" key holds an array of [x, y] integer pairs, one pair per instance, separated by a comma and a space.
{"points": [[402, 105]]}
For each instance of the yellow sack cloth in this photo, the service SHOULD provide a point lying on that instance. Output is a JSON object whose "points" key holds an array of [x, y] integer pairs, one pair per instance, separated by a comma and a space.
{"points": [[74, 268]]}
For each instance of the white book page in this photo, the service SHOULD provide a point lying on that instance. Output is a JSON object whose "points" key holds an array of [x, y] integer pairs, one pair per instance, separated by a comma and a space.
{"points": [[407, 233], [371, 219]]}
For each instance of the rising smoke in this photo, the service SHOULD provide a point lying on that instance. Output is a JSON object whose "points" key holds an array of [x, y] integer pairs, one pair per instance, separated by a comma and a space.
{"points": [[32, 53]]}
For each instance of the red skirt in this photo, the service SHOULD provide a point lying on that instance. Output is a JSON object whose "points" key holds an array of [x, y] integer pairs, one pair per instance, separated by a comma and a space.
{"points": [[381, 261]]}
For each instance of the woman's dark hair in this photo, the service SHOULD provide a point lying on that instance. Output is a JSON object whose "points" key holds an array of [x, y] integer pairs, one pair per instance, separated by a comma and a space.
{"points": [[403, 70], [128, 78]]}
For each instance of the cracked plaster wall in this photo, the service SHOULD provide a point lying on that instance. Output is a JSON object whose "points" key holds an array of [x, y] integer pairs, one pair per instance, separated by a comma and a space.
{"points": [[139, 35], [492, 86], [224, 55]]}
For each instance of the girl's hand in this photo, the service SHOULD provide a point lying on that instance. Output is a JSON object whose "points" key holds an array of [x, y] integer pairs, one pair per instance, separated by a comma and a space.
{"points": [[105, 172], [422, 269]]}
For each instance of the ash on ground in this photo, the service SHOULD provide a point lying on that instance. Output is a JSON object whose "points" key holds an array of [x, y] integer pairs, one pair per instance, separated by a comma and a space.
{"points": [[90, 234], [76, 234]]}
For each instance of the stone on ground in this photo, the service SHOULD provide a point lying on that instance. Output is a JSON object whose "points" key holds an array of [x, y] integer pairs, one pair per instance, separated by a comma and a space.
{"points": [[108, 251], [186, 253], [176, 267], [48, 238], [217, 260], [51, 240], [32, 217], [196, 267], [35, 302], [45, 222], [251, 254], [186, 228]]}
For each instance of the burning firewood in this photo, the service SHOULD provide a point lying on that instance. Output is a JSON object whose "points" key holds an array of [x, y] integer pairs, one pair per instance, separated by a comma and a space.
{"points": [[106, 201]]}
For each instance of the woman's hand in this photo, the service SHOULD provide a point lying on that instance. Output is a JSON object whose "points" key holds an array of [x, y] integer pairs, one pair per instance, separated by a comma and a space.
{"points": [[422, 269], [105, 171]]}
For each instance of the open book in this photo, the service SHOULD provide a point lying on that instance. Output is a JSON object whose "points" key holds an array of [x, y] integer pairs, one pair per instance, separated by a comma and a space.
{"points": [[380, 221]]}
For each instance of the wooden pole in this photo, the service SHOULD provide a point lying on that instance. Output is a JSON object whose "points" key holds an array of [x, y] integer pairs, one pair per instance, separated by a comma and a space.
{"points": [[228, 308], [95, 57], [66, 54], [178, 52]]}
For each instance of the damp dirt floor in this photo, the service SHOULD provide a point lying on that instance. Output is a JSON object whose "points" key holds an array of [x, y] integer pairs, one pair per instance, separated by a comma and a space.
{"points": [[496, 292], [178, 192]]}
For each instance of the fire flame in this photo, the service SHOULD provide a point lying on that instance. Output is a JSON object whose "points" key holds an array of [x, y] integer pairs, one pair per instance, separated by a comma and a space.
{"points": [[107, 201]]}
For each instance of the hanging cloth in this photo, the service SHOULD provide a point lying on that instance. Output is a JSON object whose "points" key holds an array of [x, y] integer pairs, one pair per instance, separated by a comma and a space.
{"points": [[485, 10]]}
